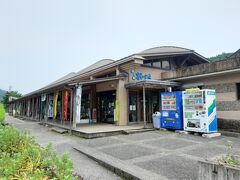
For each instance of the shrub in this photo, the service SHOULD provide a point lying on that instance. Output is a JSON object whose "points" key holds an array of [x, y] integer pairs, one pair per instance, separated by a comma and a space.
{"points": [[22, 158], [2, 114]]}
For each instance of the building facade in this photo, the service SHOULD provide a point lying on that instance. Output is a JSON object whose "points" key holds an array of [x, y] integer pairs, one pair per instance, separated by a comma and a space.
{"points": [[127, 91]]}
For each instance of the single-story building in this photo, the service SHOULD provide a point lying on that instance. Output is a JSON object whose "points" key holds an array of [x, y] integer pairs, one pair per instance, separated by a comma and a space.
{"points": [[127, 90]]}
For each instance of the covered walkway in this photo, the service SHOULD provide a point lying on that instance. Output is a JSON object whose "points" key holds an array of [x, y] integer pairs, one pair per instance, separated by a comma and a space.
{"points": [[100, 129], [151, 84]]}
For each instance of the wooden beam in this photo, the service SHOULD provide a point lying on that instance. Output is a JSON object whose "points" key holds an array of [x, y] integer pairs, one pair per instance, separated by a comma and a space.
{"points": [[185, 60]]}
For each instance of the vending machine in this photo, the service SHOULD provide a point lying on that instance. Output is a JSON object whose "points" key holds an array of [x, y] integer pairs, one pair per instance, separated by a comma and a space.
{"points": [[199, 110], [172, 111]]}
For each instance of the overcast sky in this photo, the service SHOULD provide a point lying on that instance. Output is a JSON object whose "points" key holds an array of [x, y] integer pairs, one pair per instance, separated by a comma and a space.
{"points": [[42, 40]]}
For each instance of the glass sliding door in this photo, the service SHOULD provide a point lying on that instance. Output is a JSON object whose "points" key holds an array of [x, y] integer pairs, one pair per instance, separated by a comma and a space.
{"points": [[152, 104], [133, 109], [106, 106]]}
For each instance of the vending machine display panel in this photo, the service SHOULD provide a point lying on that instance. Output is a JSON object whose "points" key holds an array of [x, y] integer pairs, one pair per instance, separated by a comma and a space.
{"points": [[199, 111], [171, 113]]}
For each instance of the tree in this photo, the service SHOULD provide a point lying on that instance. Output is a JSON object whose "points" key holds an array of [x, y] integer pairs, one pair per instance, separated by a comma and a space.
{"points": [[14, 94], [2, 114], [220, 57]]}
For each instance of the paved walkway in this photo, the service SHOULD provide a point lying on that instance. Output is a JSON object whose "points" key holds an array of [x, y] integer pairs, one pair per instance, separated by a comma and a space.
{"points": [[156, 154], [159, 155], [84, 166]]}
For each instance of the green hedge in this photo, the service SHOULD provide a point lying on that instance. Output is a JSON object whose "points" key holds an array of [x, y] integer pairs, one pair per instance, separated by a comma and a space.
{"points": [[22, 158], [2, 114]]}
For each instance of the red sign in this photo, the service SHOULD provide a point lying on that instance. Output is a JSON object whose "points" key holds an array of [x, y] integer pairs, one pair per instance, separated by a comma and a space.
{"points": [[94, 116], [66, 95]]}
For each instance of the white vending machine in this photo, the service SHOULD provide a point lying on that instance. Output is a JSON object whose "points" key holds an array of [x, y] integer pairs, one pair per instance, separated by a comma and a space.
{"points": [[199, 110]]}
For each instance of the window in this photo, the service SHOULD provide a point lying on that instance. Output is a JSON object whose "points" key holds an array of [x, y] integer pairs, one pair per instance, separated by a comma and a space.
{"points": [[85, 106], [165, 64], [106, 75], [238, 91], [148, 63], [156, 64]]}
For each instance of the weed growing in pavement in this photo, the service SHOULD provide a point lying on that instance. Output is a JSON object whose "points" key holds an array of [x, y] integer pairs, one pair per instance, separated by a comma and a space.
{"points": [[230, 158]]}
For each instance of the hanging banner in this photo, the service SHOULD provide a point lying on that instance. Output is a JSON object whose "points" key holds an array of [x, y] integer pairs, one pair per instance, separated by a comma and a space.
{"points": [[66, 95], [117, 111], [28, 108], [55, 105], [43, 97], [78, 103], [50, 106]]}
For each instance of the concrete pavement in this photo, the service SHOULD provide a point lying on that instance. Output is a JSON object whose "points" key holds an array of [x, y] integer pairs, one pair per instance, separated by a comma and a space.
{"points": [[158, 154], [148, 155]]}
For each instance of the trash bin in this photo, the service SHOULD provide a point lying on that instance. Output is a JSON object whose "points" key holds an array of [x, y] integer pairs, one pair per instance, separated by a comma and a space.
{"points": [[156, 120]]}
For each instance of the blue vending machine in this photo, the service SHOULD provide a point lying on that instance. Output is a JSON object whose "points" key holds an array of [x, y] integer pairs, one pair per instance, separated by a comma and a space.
{"points": [[172, 110]]}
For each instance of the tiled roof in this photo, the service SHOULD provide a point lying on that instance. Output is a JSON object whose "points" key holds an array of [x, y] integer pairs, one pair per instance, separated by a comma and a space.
{"points": [[96, 65], [165, 49]]}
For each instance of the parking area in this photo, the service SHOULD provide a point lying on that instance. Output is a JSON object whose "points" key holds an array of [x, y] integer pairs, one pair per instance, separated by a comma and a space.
{"points": [[161, 153], [150, 155]]}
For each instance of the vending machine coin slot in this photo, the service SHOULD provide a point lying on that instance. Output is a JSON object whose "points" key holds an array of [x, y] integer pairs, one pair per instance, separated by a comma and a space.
{"points": [[169, 119]]}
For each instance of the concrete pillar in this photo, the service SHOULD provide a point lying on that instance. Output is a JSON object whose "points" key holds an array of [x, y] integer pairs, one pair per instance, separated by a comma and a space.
{"points": [[122, 99], [46, 108], [71, 106], [77, 98], [144, 107]]}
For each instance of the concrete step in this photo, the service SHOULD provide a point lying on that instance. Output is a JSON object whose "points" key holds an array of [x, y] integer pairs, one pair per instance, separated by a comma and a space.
{"points": [[134, 131], [211, 135], [59, 130]]}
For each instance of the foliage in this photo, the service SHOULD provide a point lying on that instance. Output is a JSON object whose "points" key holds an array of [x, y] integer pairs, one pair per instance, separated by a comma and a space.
{"points": [[8, 94], [2, 93], [22, 158], [229, 158], [220, 57], [2, 114]]}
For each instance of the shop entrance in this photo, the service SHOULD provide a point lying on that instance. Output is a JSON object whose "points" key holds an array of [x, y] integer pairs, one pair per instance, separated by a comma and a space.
{"points": [[106, 106], [152, 104], [148, 99], [133, 106]]}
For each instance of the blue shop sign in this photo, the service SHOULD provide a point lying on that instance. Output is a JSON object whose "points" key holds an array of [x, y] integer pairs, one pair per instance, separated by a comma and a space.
{"points": [[139, 76]]}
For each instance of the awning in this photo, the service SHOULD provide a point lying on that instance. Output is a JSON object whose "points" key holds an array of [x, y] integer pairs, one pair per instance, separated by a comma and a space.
{"points": [[151, 84], [155, 84], [99, 80]]}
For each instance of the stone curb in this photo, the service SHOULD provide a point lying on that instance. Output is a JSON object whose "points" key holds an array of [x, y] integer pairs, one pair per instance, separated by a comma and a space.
{"points": [[230, 134]]}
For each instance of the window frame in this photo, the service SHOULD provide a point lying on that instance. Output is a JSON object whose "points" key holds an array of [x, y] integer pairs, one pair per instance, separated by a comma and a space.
{"points": [[151, 61]]}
